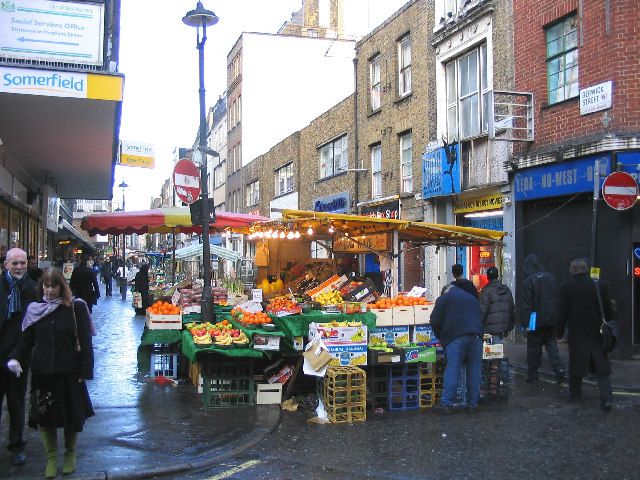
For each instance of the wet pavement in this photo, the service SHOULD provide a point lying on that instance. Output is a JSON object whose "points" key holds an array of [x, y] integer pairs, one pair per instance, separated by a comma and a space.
{"points": [[143, 430]]}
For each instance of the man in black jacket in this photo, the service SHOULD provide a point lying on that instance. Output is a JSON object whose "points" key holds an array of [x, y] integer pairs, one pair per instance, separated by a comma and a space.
{"points": [[17, 291], [84, 283], [496, 307], [461, 282], [107, 274], [539, 311]]}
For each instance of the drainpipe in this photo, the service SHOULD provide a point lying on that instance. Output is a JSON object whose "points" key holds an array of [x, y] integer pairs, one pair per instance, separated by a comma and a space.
{"points": [[355, 134]]}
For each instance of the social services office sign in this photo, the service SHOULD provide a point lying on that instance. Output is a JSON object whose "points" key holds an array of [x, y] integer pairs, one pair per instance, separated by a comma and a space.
{"points": [[52, 31]]}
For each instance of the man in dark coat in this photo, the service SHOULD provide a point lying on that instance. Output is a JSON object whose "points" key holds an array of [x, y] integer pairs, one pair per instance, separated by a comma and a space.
{"points": [[579, 310], [141, 283], [456, 322], [496, 307], [84, 283], [461, 282], [540, 297], [106, 272], [17, 291]]}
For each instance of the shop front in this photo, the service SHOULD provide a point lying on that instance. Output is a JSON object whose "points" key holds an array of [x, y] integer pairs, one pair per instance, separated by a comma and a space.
{"points": [[554, 220]]}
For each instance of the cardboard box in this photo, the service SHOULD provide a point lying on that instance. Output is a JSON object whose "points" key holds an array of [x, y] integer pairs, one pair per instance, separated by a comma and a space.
{"points": [[363, 292], [354, 354], [164, 322], [381, 357], [339, 335], [422, 313], [403, 315], [384, 316], [298, 343], [392, 335], [268, 393], [266, 342], [419, 354], [423, 334], [492, 351], [332, 284]]}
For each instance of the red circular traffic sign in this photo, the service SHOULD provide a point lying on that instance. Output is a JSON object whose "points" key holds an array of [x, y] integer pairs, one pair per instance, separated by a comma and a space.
{"points": [[620, 190], [186, 180]]}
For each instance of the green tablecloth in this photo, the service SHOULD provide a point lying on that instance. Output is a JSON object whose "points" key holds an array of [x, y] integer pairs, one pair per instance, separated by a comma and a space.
{"points": [[298, 325], [151, 337], [191, 351]]}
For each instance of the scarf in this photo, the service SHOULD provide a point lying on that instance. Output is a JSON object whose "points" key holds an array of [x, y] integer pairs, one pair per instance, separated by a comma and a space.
{"points": [[15, 300], [37, 311]]}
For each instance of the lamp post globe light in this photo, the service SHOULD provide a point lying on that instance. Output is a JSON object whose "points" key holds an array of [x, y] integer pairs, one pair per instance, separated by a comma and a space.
{"points": [[202, 18]]}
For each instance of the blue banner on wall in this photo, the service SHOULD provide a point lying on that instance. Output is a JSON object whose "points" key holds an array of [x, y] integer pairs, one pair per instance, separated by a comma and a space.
{"points": [[560, 178], [439, 177], [630, 163]]}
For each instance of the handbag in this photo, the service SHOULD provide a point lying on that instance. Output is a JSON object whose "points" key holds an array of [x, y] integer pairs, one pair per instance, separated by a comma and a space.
{"points": [[40, 402], [608, 330], [137, 300]]}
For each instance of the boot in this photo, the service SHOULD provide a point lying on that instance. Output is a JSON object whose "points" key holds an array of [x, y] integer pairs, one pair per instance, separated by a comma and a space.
{"points": [[50, 441], [70, 441]]}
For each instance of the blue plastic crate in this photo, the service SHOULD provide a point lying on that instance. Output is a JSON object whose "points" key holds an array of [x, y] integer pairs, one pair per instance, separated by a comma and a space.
{"points": [[404, 387]]}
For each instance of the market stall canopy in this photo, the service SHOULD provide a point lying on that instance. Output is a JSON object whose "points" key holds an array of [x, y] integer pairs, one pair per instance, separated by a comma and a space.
{"points": [[331, 224], [160, 220], [196, 250]]}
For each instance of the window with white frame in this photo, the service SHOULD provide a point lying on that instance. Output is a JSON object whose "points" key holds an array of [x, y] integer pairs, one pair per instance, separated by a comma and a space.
{"points": [[467, 87], [219, 175], [334, 157], [374, 76], [404, 66], [406, 162], [376, 171], [562, 60], [284, 180], [252, 192]]}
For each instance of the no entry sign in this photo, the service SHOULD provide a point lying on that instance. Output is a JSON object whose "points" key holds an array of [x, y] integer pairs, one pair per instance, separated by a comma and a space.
{"points": [[186, 180], [620, 190]]}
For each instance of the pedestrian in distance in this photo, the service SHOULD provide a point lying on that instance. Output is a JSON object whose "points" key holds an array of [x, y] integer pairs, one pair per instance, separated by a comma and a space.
{"points": [[457, 323], [460, 281], [106, 272], [141, 284], [32, 268], [539, 317], [17, 291], [497, 307], [56, 335], [84, 283], [579, 310]]}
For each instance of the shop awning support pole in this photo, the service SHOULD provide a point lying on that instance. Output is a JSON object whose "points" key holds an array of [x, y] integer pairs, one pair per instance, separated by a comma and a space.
{"points": [[173, 257], [395, 270], [594, 216]]}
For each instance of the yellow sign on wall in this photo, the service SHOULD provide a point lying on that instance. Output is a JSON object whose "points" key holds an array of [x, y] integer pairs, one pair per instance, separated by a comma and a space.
{"points": [[380, 242], [136, 154], [490, 202]]}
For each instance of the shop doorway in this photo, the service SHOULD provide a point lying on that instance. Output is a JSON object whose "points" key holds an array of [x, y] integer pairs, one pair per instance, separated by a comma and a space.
{"points": [[635, 310]]}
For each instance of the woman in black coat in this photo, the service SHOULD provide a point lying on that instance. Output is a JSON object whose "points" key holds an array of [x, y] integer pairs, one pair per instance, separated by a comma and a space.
{"points": [[579, 310], [59, 331], [141, 284]]}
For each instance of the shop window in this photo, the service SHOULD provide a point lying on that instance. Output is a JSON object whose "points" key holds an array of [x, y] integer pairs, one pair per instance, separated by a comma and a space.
{"points": [[467, 87], [252, 192], [406, 162], [562, 60], [376, 171], [374, 83], [404, 66], [334, 157], [284, 180]]}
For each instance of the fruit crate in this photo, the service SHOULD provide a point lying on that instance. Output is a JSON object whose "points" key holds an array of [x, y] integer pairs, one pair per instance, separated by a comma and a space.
{"points": [[228, 392], [495, 380], [163, 364], [378, 387], [404, 386], [213, 367], [345, 394], [165, 348], [431, 383]]}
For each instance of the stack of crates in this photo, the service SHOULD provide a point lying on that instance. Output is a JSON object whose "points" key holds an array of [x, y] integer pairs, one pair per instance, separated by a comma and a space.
{"points": [[228, 384], [164, 360], [495, 380], [378, 387], [404, 383], [345, 394], [431, 383]]}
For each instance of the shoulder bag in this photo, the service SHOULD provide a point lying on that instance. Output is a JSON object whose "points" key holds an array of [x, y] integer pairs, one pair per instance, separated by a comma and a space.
{"points": [[608, 330]]}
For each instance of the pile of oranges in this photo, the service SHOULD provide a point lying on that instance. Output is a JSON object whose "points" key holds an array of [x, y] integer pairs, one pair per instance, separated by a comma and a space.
{"points": [[399, 301], [250, 318], [163, 308], [280, 304]]}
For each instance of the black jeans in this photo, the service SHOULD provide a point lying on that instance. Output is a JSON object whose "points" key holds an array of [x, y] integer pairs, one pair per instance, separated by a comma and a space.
{"points": [[14, 389], [535, 340], [108, 286]]}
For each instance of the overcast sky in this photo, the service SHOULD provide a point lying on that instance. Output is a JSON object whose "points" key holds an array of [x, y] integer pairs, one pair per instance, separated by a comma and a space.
{"points": [[159, 59]]}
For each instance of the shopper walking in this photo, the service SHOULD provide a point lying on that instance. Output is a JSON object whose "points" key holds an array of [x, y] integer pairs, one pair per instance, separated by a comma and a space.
{"points": [[460, 281], [84, 283], [141, 284], [106, 272], [496, 307], [579, 310], [59, 333], [539, 314], [456, 322], [17, 291]]}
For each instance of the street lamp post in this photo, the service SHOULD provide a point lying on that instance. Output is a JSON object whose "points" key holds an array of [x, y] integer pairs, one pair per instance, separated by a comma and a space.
{"points": [[123, 279], [200, 17]]}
